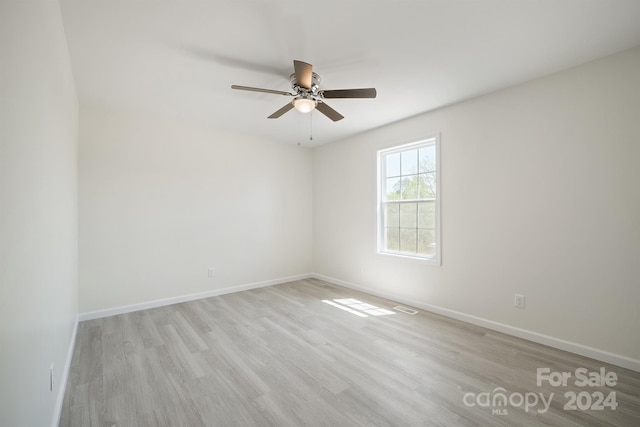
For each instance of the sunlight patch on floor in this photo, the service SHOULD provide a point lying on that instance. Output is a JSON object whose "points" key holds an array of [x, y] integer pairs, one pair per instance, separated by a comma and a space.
{"points": [[357, 307]]}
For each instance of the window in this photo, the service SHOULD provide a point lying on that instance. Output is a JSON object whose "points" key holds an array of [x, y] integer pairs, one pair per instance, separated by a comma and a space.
{"points": [[408, 207]]}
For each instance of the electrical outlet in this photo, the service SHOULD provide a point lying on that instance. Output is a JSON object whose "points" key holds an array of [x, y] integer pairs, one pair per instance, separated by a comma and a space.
{"points": [[211, 272], [52, 376], [518, 300]]}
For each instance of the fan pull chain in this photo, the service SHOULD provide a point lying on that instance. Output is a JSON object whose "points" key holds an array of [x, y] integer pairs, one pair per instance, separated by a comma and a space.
{"points": [[299, 132], [311, 126]]}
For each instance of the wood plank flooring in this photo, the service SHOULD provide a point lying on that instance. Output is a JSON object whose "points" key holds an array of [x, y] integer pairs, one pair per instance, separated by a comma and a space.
{"points": [[280, 356]]}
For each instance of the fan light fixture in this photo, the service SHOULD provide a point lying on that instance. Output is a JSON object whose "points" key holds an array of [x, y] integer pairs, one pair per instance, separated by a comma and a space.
{"points": [[304, 105]]}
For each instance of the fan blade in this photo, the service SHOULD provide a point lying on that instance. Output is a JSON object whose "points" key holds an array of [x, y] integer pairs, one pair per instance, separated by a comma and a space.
{"points": [[257, 89], [349, 93], [281, 111], [304, 73], [329, 112]]}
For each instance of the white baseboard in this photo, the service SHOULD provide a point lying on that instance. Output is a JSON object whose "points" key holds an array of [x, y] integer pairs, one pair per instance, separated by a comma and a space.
{"points": [[184, 298], [583, 350], [62, 387]]}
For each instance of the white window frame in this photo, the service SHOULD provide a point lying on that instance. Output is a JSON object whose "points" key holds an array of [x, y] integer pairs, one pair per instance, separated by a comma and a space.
{"points": [[436, 259]]}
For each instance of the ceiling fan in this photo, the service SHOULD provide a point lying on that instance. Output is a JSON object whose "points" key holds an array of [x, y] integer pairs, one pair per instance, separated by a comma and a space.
{"points": [[307, 94]]}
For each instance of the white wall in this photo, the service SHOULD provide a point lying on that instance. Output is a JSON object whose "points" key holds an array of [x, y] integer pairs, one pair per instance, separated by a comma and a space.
{"points": [[38, 220], [161, 201], [540, 196]]}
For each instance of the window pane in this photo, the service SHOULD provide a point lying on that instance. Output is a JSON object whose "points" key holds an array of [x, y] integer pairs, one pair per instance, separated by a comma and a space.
{"points": [[392, 215], [427, 185], [409, 162], [427, 158], [408, 240], [408, 215], [393, 164], [427, 215], [410, 187], [392, 239], [393, 189], [426, 242]]}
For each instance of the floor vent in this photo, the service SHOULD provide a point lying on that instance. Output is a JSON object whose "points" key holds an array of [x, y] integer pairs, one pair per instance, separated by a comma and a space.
{"points": [[405, 310]]}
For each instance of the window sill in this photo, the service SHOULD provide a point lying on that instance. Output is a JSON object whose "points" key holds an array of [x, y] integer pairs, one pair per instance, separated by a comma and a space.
{"points": [[409, 258]]}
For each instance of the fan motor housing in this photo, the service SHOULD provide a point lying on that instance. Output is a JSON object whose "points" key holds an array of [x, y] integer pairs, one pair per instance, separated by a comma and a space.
{"points": [[315, 84]]}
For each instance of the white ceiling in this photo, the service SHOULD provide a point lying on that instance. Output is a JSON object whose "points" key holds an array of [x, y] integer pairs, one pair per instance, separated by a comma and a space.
{"points": [[179, 58]]}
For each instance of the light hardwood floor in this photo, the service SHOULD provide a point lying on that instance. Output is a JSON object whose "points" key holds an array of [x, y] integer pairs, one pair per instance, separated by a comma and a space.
{"points": [[280, 356]]}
